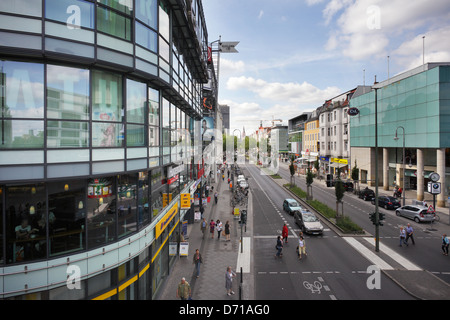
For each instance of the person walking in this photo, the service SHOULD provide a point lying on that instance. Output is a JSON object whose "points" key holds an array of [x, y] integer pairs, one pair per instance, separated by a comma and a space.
{"points": [[285, 233], [279, 247], [197, 260], [227, 231], [202, 210], [216, 197], [301, 247], [229, 275], [183, 290], [212, 227], [445, 243], [402, 237], [409, 234], [219, 227], [203, 227]]}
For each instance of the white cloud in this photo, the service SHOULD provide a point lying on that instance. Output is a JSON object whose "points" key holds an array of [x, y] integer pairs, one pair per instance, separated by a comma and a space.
{"points": [[284, 93], [261, 14]]}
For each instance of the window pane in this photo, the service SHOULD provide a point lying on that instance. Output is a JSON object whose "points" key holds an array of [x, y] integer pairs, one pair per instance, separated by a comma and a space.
{"points": [[66, 216], [24, 89], [153, 107], [146, 11], [126, 204], [114, 24], [21, 134], [26, 7], [143, 199], [26, 212], [146, 37], [67, 93], [164, 24], [106, 134], [106, 97], [101, 208], [136, 98], [75, 13], [153, 136], [135, 135], [67, 134], [166, 114], [125, 6]]}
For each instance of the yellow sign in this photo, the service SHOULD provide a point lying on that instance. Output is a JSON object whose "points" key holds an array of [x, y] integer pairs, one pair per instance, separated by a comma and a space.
{"points": [[164, 222], [185, 201], [341, 161], [236, 211], [167, 197]]}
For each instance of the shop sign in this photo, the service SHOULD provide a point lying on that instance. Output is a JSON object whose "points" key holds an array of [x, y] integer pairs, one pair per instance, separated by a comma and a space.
{"points": [[353, 111], [341, 161], [185, 201], [184, 249], [164, 222]]}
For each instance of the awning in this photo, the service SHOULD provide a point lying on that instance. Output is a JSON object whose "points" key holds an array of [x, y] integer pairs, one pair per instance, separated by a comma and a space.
{"points": [[338, 165]]}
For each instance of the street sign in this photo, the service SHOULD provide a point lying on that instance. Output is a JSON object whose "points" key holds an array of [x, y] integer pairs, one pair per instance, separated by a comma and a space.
{"points": [[229, 47], [431, 210]]}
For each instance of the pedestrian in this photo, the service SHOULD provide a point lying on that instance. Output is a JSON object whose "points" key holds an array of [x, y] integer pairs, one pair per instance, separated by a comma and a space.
{"points": [[279, 247], [223, 177], [202, 210], [212, 227], [197, 260], [285, 233], [409, 234], [445, 244], [219, 227], [203, 227], [227, 231], [183, 290], [216, 197], [301, 247], [229, 275], [402, 237]]}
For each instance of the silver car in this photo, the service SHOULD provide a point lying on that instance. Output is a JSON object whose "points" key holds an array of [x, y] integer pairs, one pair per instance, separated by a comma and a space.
{"points": [[416, 213], [308, 222]]}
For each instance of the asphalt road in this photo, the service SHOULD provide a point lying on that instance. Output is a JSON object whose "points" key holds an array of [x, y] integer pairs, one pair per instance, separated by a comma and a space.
{"points": [[333, 269]]}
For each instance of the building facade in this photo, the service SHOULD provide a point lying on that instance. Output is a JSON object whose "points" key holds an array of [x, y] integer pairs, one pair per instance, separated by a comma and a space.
{"points": [[416, 106], [101, 103]]}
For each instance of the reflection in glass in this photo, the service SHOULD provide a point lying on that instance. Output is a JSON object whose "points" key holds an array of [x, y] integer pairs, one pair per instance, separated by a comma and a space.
{"points": [[67, 93], [135, 135], [21, 134], [24, 84], [66, 134], [75, 13], [136, 99], [146, 11], [113, 23], [153, 107], [126, 204], [66, 216], [125, 6], [101, 212], [144, 216], [146, 37], [26, 223]]}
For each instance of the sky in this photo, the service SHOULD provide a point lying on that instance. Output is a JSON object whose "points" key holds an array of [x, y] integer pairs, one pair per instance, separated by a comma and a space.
{"points": [[296, 54]]}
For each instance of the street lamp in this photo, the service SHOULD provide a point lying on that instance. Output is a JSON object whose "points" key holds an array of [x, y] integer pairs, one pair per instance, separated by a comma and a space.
{"points": [[396, 138]]}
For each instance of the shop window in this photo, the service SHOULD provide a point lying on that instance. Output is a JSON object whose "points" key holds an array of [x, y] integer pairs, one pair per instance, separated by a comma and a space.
{"points": [[126, 204], [101, 212], [66, 216], [26, 223]]}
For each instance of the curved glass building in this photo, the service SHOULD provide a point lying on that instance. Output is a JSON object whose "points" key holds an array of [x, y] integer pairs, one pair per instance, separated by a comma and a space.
{"points": [[100, 102]]}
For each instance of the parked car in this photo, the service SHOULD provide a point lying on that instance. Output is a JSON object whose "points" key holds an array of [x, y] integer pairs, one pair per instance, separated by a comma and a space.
{"points": [[387, 202], [308, 222], [415, 212], [366, 194], [348, 186], [290, 206]]}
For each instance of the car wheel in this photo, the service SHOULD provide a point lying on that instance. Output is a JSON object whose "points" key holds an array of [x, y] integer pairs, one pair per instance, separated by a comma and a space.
{"points": [[397, 213], [416, 219]]}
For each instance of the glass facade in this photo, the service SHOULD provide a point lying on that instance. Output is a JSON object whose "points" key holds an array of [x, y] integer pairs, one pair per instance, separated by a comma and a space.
{"points": [[419, 103], [92, 148]]}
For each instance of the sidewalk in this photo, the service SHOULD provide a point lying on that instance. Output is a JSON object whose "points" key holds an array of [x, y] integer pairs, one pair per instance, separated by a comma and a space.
{"points": [[217, 255]]}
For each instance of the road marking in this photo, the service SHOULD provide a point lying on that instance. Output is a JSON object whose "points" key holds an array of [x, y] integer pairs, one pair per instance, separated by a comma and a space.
{"points": [[244, 256], [371, 256], [408, 265]]}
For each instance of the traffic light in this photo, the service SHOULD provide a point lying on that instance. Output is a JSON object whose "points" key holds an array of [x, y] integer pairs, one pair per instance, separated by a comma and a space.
{"points": [[381, 217], [372, 217]]}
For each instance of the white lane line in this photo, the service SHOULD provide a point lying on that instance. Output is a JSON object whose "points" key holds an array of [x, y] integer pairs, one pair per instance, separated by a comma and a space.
{"points": [[372, 257], [408, 265], [244, 257]]}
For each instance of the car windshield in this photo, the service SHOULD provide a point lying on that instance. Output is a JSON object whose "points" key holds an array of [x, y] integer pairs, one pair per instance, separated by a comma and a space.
{"points": [[309, 217], [293, 204]]}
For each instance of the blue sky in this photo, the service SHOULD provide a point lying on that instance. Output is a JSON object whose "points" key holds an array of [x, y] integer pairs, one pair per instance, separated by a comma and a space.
{"points": [[295, 54]]}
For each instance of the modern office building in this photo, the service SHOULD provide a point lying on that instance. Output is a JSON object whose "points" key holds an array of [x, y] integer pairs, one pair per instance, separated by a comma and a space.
{"points": [[415, 107], [101, 103], [296, 126]]}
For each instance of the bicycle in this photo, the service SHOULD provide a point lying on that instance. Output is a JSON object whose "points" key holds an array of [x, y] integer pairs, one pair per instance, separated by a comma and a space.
{"points": [[436, 217]]}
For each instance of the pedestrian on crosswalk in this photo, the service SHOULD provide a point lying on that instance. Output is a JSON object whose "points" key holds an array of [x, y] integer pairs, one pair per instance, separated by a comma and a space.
{"points": [[409, 234], [402, 237], [301, 247]]}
